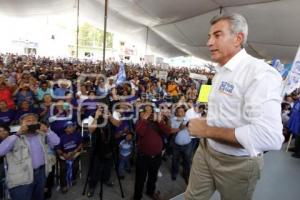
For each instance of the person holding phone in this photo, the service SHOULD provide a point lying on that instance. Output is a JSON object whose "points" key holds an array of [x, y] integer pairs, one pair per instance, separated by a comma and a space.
{"points": [[182, 147], [101, 157], [27, 157], [149, 130]]}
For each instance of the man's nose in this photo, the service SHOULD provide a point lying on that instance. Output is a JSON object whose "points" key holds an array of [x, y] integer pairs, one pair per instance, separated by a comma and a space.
{"points": [[210, 41]]}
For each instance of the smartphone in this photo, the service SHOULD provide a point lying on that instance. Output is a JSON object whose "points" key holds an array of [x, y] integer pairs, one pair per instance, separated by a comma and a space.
{"points": [[156, 110], [33, 127]]}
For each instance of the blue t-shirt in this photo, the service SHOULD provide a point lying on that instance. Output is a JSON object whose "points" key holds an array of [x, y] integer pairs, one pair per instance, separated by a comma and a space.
{"points": [[90, 106], [60, 92], [69, 142], [125, 148], [294, 121], [183, 136], [7, 117]]}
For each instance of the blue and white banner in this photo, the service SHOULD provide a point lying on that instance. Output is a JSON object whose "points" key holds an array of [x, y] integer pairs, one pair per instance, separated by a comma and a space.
{"points": [[283, 69], [293, 79], [121, 76]]}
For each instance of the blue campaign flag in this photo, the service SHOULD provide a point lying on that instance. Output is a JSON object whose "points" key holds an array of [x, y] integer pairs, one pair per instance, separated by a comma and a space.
{"points": [[121, 77], [287, 68], [281, 68]]}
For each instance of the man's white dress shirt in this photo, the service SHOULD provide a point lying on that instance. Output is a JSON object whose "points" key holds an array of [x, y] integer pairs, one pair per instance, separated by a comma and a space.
{"points": [[246, 96]]}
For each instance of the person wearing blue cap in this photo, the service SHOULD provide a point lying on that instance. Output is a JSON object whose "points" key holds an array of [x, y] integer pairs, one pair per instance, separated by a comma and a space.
{"points": [[69, 151]]}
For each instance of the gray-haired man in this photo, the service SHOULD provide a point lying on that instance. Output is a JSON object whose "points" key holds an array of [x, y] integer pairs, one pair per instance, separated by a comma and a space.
{"points": [[27, 157], [243, 119]]}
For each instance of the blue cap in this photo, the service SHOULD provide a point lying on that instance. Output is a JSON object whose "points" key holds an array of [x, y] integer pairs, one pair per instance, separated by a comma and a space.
{"points": [[68, 124]]}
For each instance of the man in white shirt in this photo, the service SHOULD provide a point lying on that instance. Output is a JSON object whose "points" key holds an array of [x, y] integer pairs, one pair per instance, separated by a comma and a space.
{"points": [[198, 110], [243, 119]]}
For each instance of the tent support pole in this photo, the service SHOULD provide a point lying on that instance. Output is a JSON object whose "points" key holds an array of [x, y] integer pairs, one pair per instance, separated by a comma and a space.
{"points": [[77, 30], [104, 35]]}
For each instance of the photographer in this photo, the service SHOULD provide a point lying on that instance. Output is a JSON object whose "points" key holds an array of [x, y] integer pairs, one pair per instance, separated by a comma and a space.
{"points": [[27, 158], [101, 155], [149, 131]]}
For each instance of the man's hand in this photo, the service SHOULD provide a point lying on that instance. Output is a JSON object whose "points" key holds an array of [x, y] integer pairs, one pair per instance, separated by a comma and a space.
{"points": [[43, 129], [108, 114], [72, 154], [98, 113], [145, 115], [198, 127], [23, 129], [66, 156], [158, 117], [182, 126], [59, 111]]}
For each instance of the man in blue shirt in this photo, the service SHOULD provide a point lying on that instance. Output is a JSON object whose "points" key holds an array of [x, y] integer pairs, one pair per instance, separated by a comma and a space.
{"points": [[69, 150], [182, 145]]}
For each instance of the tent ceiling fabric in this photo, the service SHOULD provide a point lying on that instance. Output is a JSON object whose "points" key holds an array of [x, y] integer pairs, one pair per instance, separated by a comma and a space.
{"points": [[180, 27], [24, 8]]}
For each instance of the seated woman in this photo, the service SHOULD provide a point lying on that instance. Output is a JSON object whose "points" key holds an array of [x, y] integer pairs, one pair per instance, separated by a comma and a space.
{"points": [[68, 151]]}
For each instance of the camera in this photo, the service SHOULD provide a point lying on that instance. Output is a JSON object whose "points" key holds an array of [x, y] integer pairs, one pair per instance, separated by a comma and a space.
{"points": [[33, 127]]}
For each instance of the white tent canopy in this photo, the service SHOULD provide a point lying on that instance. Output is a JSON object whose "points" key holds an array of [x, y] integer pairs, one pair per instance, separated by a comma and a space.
{"points": [[180, 27]]}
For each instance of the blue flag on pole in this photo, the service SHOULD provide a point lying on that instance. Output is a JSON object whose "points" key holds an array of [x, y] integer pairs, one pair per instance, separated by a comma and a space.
{"points": [[121, 77]]}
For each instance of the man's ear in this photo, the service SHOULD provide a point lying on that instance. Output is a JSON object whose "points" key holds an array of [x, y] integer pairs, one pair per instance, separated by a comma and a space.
{"points": [[239, 39]]}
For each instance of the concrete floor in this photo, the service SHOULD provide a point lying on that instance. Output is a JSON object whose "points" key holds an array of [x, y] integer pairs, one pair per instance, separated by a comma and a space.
{"points": [[165, 185], [280, 181]]}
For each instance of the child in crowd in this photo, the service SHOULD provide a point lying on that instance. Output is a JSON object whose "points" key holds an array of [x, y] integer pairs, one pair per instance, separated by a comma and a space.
{"points": [[125, 147]]}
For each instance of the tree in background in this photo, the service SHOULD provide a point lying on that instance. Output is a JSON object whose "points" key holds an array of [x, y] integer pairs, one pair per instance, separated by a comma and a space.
{"points": [[91, 36]]}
